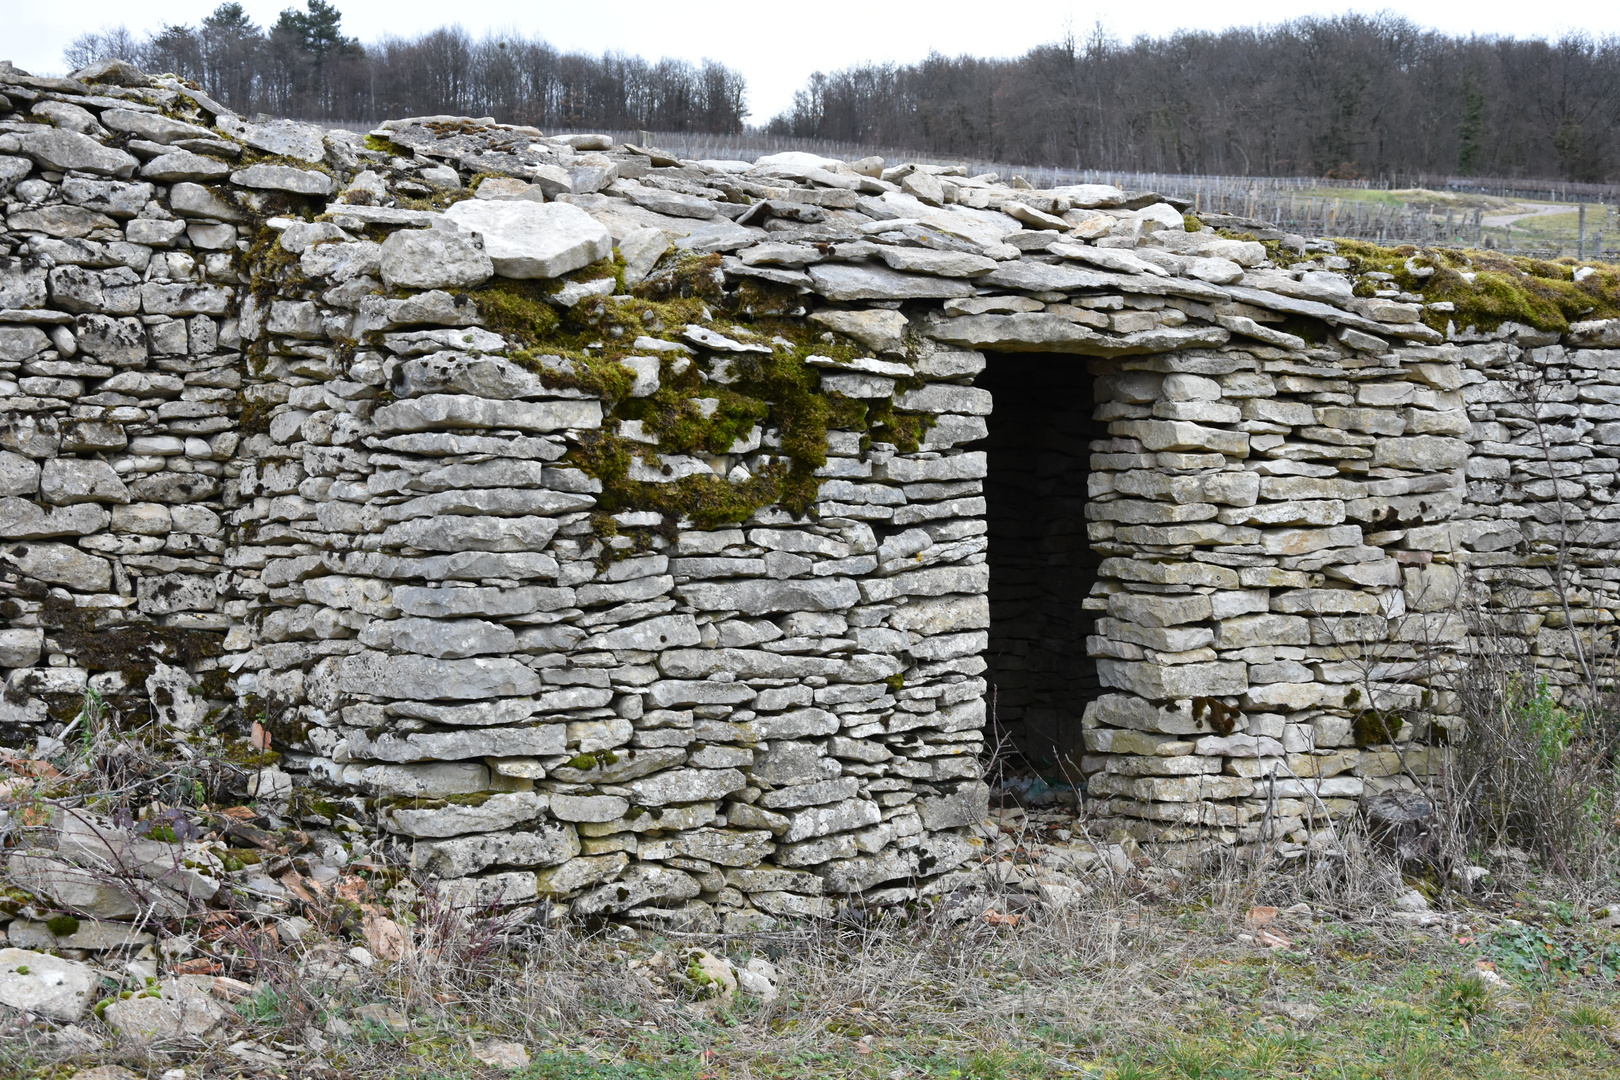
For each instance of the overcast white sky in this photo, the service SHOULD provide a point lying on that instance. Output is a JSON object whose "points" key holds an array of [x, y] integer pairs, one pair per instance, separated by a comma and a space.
{"points": [[777, 45]]}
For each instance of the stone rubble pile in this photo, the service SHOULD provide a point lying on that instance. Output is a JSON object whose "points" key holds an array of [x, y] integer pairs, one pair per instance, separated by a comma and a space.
{"points": [[271, 457]]}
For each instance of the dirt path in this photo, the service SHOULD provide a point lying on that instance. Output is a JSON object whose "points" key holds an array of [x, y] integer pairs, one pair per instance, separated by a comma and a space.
{"points": [[1498, 221]]}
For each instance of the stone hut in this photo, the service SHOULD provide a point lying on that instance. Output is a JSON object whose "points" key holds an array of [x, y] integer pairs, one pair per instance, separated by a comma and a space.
{"points": [[665, 538]]}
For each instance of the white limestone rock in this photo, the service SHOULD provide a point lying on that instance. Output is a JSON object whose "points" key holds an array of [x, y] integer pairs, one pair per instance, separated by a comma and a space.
{"points": [[488, 891], [434, 780], [61, 564], [452, 639], [1174, 681], [589, 808], [286, 138], [671, 203], [648, 374], [283, 178], [580, 872], [66, 481], [22, 342], [93, 935], [173, 703], [866, 281], [433, 259], [88, 890], [534, 240], [642, 248], [427, 679], [451, 533], [950, 264], [760, 597], [487, 601], [539, 741], [686, 786], [653, 635], [640, 884], [880, 330], [45, 985], [185, 1009], [967, 805], [839, 817], [1020, 332], [20, 647], [548, 844], [64, 151], [492, 814], [450, 411]]}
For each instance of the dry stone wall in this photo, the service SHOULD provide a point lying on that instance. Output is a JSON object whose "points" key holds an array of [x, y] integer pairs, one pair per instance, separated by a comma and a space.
{"points": [[606, 529], [1533, 544]]}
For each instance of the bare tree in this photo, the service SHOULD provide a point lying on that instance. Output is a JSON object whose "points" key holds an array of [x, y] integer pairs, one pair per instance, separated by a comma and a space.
{"points": [[111, 43]]}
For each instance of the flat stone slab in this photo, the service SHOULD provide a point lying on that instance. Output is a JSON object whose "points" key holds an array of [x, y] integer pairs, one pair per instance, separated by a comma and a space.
{"points": [[289, 138], [1038, 331], [283, 178], [184, 165], [55, 148], [435, 411], [866, 281], [534, 240]]}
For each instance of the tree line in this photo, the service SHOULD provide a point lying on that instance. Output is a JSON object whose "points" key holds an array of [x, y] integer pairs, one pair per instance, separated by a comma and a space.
{"points": [[1352, 96], [303, 65]]}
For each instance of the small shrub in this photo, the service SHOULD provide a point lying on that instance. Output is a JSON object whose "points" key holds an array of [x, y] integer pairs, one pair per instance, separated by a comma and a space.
{"points": [[1535, 767]]}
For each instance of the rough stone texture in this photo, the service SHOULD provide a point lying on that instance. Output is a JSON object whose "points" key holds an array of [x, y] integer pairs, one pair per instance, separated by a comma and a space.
{"points": [[186, 1008], [534, 240], [47, 985], [381, 528], [433, 259]]}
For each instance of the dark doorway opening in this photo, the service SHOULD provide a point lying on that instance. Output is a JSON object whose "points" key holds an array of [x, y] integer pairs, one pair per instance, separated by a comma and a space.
{"points": [[1041, 563]]}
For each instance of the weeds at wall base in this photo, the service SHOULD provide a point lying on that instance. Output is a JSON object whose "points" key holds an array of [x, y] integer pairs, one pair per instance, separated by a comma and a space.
{"points": [[1151, 977]]}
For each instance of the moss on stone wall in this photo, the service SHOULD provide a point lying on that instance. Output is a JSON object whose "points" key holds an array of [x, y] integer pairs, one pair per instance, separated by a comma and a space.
{"points": [[96, 642], [383, 145], [1487, 288], [696, 411], [518, 310]]}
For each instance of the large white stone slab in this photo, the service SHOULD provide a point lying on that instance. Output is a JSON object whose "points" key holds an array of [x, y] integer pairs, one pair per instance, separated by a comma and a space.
{"points": [[534, 240]]}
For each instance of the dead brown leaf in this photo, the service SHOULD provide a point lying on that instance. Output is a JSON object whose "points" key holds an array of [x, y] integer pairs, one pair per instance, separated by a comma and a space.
{"points": [[384, 937], [1260, 916]]}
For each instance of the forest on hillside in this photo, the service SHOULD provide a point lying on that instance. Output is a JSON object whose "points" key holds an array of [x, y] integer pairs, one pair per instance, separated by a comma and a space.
{"points": [[1346, 97], [1349, 97]]}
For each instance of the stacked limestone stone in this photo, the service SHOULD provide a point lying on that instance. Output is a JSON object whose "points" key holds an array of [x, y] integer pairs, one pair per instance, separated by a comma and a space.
{"points": [[1537, 531], [118, 342], [257, 391]]}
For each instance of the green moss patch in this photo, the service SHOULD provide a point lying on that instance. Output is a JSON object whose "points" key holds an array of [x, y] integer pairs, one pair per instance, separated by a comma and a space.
{"points": [[518, 310], [62, 926], [1373, 728], [1487, 288], [580, 348], [383, 145]]}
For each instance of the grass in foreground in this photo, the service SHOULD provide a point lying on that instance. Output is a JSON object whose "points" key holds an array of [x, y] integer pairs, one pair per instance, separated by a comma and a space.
{"points": [[1144, 981]]}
